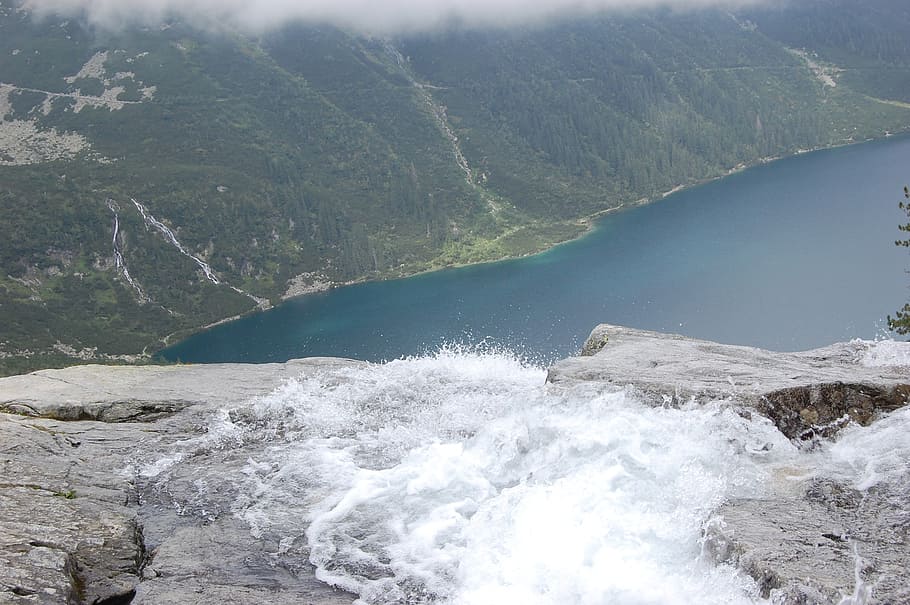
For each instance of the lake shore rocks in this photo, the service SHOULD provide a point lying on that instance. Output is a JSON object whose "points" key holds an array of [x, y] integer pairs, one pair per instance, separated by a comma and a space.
{"points": [[79, 523]]}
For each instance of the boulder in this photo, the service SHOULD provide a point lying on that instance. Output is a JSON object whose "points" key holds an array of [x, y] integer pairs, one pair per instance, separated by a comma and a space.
{"points": [[807, 394]]}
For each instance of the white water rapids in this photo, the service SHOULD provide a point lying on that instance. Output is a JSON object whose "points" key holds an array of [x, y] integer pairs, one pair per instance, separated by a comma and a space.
{"points": [[462, 478]]}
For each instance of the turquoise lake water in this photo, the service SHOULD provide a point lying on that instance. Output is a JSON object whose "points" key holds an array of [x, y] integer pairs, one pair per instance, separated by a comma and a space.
{"points": [[791, 255]]}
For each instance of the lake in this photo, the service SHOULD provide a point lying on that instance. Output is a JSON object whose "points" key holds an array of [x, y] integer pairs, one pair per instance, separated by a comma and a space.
{"points": [[791, 255]]}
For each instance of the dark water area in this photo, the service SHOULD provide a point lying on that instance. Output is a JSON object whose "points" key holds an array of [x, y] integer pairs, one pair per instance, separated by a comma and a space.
{"points": [[791, 255]]}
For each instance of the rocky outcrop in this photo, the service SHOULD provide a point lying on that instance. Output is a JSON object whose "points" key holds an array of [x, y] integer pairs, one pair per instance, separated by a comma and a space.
{"points": [[806, 394], [68, 532], [80, 523], [813, 542], [814, 547], [75, 527], [136, 394]]}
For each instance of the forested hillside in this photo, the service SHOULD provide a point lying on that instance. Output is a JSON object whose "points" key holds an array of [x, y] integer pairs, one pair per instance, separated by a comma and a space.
{"points": [[156, 180], [866, 43]]}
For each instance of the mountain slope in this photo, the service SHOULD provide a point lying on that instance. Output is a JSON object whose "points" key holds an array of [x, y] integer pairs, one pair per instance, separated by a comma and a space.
{"points": [[157, 180]]}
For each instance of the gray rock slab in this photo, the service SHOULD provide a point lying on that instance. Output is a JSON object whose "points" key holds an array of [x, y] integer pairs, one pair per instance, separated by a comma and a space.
{"points": [[829, 544], [71, 518], [78, 525], [223, 563], [67, 532], [143, 393], [806, 394]]}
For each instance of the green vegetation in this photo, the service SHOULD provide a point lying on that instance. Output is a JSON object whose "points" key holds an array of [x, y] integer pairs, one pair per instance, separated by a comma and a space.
{"points": [[900, 323], [867, 41], [315, 152]]}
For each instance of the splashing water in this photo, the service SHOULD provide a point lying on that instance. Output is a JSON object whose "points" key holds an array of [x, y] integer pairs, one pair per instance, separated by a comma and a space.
{"points": [[462, 478], [885, 353], [867, 456]]}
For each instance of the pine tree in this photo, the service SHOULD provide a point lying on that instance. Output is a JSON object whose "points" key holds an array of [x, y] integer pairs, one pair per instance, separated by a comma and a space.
{"points": [[900, 323]]}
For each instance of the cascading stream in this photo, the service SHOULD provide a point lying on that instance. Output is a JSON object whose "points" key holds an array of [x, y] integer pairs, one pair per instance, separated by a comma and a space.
{"points": [[462, 478]]}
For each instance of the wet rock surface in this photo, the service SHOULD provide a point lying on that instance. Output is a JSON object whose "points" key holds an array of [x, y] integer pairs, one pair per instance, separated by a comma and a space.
{"points": [[822, 546], [819, 541], [81, 524]]}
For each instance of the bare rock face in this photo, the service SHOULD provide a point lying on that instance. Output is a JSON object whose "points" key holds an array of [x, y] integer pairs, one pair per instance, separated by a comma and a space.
{"points": [[134, 394], [806, 394], [73, 527], [813, 548], [67, 532]]}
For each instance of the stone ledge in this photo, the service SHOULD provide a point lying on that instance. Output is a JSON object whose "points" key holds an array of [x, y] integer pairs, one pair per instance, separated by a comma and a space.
{"points": [[806, 394]]}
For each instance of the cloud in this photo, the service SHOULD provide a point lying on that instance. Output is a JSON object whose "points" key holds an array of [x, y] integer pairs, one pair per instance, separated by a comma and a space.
{"points": [[371, 16]]}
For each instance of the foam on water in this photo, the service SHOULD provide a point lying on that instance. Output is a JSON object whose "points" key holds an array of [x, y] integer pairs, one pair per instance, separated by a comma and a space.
{"points": [[867, 456], [463, 478], [563, 500], [885, 353]]}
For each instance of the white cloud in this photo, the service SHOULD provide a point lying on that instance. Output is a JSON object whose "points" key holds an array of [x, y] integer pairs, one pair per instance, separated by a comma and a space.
{"points": [[374, 16]]}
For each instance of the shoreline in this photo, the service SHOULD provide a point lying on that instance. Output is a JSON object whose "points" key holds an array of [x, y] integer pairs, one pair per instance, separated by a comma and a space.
{"points": [[590, 220], [587, 223]]}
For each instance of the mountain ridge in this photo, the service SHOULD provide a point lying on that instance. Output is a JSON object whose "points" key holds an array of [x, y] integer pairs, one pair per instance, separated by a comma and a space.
{"points": [[311, 156]]}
